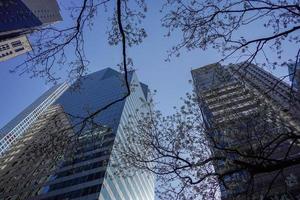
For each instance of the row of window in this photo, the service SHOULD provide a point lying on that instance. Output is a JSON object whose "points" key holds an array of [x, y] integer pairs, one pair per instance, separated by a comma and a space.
{"points": [[6, 54], [20, 18], [271, 80], [80, 169], [76, 193], [22, 126], [271, 85], [4, 47], [140, 183], [92, 147], [16, 43], [225, 91], [46, 16], [112, 185], [19, 49], [85, 158], [232, 104], [42, 11], [77, 181]]}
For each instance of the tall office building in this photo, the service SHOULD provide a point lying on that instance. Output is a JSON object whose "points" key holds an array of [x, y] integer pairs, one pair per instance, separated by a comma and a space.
{"points": [[19, 17], [89, 168], [244, 108]]}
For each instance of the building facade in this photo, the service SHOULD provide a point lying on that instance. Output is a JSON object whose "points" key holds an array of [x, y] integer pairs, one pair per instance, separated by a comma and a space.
{"points": [[22, 16], [294, 75], [32, 159], [244, 108], [19, 125], [88, 169], [14, 47]]}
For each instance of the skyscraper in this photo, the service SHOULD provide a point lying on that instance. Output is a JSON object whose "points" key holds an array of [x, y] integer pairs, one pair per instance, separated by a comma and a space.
{"points": [[88, 169], [19, 17], [244, 109]]}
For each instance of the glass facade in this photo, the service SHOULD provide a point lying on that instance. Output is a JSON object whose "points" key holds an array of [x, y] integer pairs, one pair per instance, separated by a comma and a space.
{"points": [[96, 91], [14, 47], [140, 185], [84, 169], [87, 174], [19, 17]]}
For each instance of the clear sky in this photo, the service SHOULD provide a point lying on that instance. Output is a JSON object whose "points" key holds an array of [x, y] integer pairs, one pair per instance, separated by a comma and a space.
{"points": [[170, 79]]}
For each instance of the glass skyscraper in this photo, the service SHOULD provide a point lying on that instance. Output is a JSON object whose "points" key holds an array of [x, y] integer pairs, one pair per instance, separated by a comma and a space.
{"points": [[89, 170]]}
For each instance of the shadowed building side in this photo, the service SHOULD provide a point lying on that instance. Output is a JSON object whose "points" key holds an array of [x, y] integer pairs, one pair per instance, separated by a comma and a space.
{"points": [[31, 161], [241, 116], [19, 124]]}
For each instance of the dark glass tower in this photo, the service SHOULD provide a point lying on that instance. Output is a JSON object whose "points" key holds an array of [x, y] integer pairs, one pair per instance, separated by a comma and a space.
{"points": [[19, 17], [85, 172]]}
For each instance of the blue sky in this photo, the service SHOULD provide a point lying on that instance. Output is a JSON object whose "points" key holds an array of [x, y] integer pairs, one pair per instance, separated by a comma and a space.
{"points": [[170, 79]]}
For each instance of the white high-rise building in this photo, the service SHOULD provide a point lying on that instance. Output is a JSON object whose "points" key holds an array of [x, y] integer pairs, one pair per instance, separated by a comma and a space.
{"points": [[13, 47]]}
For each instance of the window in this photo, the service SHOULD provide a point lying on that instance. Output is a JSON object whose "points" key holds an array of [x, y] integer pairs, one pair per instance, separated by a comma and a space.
{"points": [[4, 47], [76, 181], [77, 193], [16, 43], [19, 49]]}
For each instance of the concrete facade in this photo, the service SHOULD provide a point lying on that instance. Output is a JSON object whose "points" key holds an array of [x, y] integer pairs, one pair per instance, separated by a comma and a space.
{"points": [[244, 108], [14, 47], [30, 162]]}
